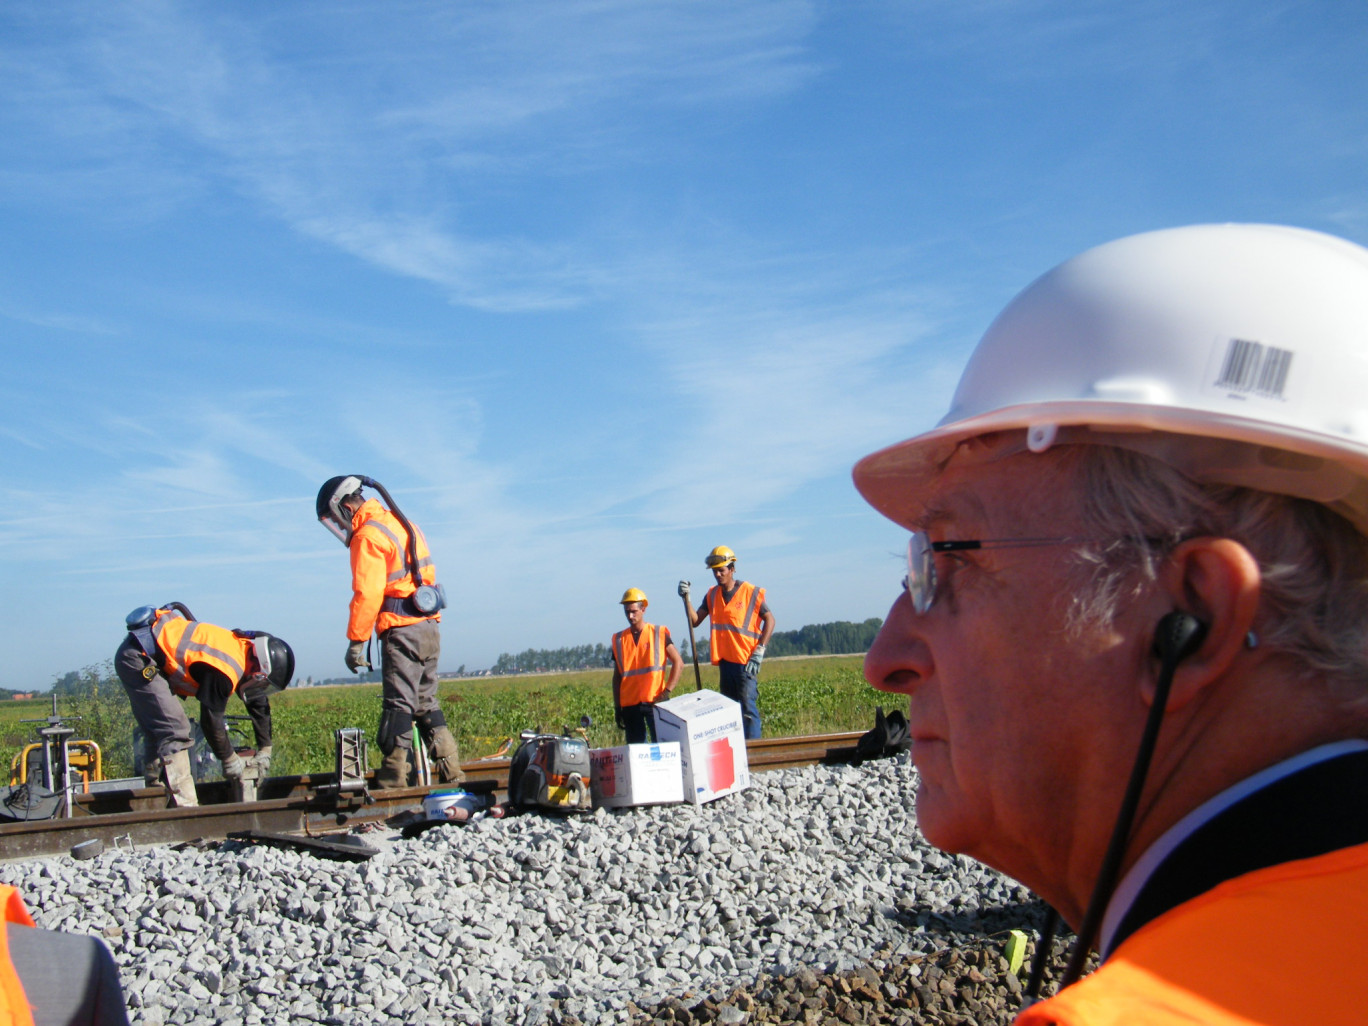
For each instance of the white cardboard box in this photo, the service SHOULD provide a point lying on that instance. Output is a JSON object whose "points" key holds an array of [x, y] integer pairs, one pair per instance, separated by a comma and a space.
{"points": [[707, 725], [637, 775]]}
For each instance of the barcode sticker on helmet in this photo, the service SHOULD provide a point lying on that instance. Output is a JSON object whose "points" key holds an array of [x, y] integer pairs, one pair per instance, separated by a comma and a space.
{"points": [[1254, 369]]}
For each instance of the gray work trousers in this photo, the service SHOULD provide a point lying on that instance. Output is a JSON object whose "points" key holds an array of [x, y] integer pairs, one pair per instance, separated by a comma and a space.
{"points": [[408, 673], [165, 727]]}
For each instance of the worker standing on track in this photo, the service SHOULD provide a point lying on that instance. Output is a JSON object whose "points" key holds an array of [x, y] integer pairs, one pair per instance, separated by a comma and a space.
{"points": [[741, 627], [394, 593], [1134, 628], [168, 653], [640, 654]]}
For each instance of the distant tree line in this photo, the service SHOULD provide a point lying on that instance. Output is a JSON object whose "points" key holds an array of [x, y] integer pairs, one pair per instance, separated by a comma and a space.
{"points": [[547, 660], [839, 638]]}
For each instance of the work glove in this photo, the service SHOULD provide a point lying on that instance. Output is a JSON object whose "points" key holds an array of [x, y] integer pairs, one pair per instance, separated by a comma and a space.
{"points": [[356, 657], [233, 767], [261, 762], [753, 663], [617, 718], [684, 589]]}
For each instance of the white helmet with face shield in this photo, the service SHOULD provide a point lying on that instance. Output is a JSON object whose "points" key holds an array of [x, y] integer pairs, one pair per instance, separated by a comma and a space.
{"points": [[328, 505]]}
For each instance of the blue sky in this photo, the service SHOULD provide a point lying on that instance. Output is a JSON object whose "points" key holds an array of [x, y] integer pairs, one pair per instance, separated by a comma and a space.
{"points": [[590, 286]]}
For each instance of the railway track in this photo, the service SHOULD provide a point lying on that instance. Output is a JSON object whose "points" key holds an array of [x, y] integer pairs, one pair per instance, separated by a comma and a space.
{"points": [[309, 806]]}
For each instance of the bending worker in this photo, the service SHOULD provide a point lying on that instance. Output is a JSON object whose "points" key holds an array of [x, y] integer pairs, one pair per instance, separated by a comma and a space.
{"points": [[741, 627], [168, 652], [639, 656], [394, 593], [1134, 627]]}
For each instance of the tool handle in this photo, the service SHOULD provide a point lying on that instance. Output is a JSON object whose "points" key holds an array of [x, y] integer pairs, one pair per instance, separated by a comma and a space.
{"points": [[693, 644]]}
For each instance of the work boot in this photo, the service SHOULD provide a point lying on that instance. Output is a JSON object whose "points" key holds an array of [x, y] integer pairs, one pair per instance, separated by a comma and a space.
{"points": [[180, 779], [446, 756], [394, 771], [152, 773]]}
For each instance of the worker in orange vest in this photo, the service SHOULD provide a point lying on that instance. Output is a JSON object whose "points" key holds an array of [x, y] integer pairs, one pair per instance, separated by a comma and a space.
{"points": [[641, 654], [741, 628], [395, 594], [166, 655], [51, 977], [1133, 626]]}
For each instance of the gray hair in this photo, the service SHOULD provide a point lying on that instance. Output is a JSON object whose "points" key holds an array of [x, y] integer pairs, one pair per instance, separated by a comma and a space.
{"points": [[1314, 563]]}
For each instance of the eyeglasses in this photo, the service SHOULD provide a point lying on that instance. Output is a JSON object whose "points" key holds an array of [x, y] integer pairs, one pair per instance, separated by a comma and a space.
{"points": [[920, 581]]}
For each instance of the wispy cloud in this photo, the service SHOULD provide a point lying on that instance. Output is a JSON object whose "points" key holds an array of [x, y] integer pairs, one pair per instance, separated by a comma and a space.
{"points": [[367, 153]]}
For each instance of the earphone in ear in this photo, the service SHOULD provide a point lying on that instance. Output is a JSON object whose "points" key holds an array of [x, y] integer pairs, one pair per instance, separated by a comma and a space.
{"points": [[1178, 635]]}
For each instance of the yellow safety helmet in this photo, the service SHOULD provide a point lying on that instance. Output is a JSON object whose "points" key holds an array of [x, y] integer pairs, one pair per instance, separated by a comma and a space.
{"points": [[720, 556], [635, 595]]}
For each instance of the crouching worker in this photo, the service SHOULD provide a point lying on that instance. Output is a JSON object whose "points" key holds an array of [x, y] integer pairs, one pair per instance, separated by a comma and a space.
{"points": [[168, 653], [639, 656]]}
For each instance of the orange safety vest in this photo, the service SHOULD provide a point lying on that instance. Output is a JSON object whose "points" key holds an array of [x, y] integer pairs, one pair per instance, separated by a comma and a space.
{"points": [[1218, 960], [14, 1006], [735, 624], [641, 662], [380, 570], [187, 642]]}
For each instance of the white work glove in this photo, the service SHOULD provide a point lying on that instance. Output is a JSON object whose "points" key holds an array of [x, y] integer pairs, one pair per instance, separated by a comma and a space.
{"points": [[261, 762], [356, 657], [684, 589], [753, 664], [234, 766]]}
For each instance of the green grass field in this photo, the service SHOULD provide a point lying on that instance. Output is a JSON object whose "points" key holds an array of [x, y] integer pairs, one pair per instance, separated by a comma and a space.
{"points": [[797, 696]]}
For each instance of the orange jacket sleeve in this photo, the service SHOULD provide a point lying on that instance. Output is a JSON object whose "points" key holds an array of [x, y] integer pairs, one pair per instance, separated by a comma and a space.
{"points": [[369, 563]]}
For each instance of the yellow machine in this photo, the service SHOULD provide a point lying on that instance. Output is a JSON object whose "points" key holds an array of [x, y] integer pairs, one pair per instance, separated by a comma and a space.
{"points": [[83, 763]]}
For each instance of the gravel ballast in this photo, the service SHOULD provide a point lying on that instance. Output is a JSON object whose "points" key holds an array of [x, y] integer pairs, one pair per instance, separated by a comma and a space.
{"points": [[726, 912]]}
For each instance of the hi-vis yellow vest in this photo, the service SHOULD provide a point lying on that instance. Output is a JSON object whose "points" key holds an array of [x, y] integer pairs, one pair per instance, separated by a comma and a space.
{"points": [[186, 642], [641, 662], [735, 624], [1218, 960]]}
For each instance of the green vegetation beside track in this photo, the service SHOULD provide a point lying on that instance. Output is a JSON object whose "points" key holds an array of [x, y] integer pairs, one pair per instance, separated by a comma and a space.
{"points": [[818, 695]]}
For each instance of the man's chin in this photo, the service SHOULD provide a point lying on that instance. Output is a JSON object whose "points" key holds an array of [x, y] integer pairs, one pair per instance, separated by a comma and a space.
{"points": [[937, 821]]}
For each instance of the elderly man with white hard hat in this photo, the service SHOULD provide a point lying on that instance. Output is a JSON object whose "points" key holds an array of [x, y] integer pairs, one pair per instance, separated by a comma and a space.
{"points": [[1134, 627]]}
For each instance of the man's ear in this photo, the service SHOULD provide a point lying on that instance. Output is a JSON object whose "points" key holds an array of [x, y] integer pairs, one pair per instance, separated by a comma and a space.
{"points": [[1218, 581]]}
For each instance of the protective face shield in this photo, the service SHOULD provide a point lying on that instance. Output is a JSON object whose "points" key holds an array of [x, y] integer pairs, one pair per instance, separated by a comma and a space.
{"points": [[328, 505], [275, 666]]}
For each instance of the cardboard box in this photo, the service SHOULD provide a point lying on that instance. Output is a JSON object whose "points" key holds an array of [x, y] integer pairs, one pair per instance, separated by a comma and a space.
{"points": [[637, 775], [707, 725]]}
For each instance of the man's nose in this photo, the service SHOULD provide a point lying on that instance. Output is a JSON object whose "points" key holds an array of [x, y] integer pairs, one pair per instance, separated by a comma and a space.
{"points": [[900, 657]]}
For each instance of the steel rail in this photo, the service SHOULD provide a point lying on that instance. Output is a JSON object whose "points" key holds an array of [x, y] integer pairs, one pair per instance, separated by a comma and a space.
{"points": [[310, 806]]}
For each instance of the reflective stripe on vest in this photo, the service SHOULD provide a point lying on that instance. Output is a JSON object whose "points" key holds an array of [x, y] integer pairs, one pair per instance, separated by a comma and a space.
{"points": [[187, 642], [401, 544], [734, 637], [14, 1006], [1194, 964], [641, 663]]}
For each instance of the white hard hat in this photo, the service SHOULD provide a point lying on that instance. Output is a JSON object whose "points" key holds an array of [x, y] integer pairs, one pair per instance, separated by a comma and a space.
{"points": [[1236, 353]]}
